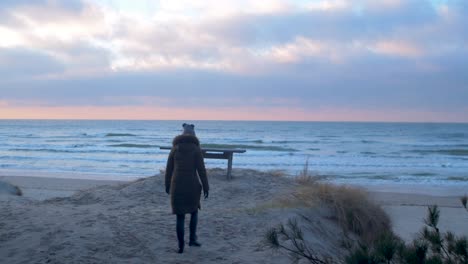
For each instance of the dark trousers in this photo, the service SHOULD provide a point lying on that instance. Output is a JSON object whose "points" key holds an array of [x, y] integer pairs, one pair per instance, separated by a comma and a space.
{"points": [[181, 226]]}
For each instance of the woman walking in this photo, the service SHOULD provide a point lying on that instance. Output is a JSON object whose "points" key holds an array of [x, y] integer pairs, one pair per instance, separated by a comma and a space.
{"points": [[184, 171]]}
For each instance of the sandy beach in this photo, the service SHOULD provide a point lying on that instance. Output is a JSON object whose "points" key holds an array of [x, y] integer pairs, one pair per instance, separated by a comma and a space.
{"points": [[89, 221], [343, 124]]}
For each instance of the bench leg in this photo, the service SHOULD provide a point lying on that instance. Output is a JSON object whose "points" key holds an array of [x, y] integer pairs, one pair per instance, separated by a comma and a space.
{"points": [[229, 169]]}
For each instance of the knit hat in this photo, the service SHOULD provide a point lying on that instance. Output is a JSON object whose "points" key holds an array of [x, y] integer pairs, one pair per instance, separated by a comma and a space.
{"points": [[189, 129]]}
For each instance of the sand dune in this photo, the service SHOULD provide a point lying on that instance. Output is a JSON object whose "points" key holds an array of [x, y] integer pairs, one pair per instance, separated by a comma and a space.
{"points": [[131, 222]]}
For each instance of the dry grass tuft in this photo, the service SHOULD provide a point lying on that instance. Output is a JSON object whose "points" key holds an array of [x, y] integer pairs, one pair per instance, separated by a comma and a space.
{"points": [[277, 173], [355, 212], [351, 207], [306, 177]]}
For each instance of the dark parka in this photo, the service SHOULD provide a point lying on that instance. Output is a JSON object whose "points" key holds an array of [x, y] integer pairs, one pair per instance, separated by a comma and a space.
{"points": [[182, 180]]}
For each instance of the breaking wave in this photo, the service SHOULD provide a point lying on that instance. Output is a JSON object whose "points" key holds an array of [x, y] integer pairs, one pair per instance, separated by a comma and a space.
{"points": [[120, 135], [451, 152], [133, 146], [252, 147]]}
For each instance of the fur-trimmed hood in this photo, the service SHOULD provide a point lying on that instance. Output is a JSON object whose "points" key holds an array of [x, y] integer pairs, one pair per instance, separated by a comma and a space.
{"points": [[185, 138]]}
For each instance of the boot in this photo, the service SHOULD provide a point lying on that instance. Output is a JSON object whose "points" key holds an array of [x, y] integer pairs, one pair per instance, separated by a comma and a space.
{"points": [[181, 248], [194, 244], [193, 230], [180, 232]]}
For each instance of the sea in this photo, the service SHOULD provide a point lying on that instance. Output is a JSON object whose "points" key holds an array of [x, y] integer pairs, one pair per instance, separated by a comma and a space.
{"points": [[347, 152]]}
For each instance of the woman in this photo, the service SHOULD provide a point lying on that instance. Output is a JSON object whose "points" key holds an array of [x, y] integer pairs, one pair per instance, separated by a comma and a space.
{"points": [[183, 182]]}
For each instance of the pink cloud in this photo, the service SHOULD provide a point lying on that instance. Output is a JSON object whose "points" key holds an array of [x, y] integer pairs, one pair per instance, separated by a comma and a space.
{"points": [[397, 48]]}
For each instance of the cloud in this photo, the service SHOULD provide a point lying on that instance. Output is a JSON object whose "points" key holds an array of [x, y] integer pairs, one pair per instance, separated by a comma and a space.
{"points": [[24, 63], [397, 48], [328, 54], [261, 34]]}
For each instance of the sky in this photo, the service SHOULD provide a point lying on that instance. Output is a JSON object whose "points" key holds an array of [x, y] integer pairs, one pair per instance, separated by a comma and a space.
{"points": [[322, 60]]}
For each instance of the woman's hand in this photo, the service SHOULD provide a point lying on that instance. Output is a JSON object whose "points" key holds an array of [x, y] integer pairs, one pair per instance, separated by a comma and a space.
{"points": [[206, 194]]}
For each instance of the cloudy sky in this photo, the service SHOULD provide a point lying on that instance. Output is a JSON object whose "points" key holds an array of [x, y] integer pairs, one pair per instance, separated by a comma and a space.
{"points": [[386, 60]]}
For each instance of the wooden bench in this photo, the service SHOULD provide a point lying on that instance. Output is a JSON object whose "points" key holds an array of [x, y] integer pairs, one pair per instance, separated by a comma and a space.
{"points": [[216, 153]]}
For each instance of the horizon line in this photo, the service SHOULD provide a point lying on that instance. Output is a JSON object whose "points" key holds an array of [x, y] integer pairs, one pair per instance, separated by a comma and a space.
{"points": [[235, 120]]}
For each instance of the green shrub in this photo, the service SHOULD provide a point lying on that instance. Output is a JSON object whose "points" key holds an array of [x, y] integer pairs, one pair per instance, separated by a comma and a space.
{"points": [[430, 247], [290, 238]]}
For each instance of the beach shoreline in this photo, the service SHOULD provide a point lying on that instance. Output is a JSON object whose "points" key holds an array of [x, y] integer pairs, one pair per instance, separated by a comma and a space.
{"points": [[71, 182]]}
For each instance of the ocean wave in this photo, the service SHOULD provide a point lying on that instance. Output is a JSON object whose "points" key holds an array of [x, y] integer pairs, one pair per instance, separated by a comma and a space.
{"points": [[43, 150], [382, 177], [113, 161], [451, 152], [253, 147], [433, 146], [369, 141], [423, 174], [457, 178], [81, 145], [452, 135], [16, 158], [50, 150], [368, 153], [120, 135], [59, 140], [295, 141], [76, 151], [133, 146], [256, 141], [29, 136], [77, 145], [259, 141], [114, 141]]}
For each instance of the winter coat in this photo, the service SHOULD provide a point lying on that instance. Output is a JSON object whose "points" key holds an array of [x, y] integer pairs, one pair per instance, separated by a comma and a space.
{"points": [[182, 180]]}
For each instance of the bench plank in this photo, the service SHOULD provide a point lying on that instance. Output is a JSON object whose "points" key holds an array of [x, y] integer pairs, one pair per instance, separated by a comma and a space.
{"points": [[217, 153], [214, 149]]}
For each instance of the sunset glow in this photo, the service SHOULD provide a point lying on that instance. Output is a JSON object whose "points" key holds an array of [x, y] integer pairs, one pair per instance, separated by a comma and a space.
{"points": [[317, 60]]}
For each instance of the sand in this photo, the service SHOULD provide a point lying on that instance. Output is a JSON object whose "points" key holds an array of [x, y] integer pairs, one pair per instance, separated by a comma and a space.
{"points": [[42, 188], [408, 211], [86, 221]]}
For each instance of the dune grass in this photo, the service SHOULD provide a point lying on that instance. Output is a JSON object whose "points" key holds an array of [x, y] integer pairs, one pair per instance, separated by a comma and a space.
{"points": [[351, 208]]}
